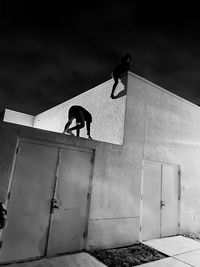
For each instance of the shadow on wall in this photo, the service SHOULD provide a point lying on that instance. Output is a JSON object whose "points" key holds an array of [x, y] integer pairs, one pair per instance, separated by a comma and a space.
{"points": [[121, 93], [124, 91]]}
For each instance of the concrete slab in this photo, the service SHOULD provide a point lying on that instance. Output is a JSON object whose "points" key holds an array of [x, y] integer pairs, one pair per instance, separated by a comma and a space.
{"points": [[192, 258], [168, 262], [173, 245], [74, 260]]}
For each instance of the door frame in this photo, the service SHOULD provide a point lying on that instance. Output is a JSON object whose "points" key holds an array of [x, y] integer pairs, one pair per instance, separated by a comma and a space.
{"points": [[59, 146], [161, 163]]}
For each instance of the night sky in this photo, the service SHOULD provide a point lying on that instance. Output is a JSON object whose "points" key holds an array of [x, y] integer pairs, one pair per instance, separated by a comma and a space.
{"points": [[51, 52]]}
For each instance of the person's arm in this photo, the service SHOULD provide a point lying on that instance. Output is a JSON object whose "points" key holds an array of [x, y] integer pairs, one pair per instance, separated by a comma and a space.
{"points": [[78, 132], [68, 124], [88, 129]]}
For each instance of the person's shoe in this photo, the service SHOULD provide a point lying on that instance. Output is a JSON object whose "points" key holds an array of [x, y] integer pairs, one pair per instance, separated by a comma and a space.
{"points": [[70, 132], [112, 96]]}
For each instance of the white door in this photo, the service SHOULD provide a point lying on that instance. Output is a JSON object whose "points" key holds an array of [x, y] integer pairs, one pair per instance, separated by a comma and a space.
{"points": [[160, 200], [28, 208], [150, 224], [170, 200], [68, 222]]}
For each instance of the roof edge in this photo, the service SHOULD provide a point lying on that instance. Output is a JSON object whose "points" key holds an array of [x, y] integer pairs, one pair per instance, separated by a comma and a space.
{"points": [[162, 89]]}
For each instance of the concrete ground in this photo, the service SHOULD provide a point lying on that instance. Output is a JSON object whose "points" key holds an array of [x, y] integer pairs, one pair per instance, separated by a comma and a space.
{"points": [[183, 252], [74, 260]]}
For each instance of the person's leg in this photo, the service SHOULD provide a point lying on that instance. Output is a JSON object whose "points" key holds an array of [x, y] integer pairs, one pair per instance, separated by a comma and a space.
{"points": [[88, 129], [79, 125], [67, 125], [70, 119], [77, 130], [116, 80]]}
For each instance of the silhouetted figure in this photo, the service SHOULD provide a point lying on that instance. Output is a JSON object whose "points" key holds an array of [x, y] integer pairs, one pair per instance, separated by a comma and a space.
{"points": [[81, 115], [3, 213], [123, 67]]}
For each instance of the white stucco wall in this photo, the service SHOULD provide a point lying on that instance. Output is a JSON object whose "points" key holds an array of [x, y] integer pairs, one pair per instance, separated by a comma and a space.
{"points": [[108, 114], [18, 118], [115, 209], [171, 133], [161, 127]]}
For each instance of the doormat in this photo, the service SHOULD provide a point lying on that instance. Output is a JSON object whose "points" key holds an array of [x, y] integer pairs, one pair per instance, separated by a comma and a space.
{"points": [[133, 255]]}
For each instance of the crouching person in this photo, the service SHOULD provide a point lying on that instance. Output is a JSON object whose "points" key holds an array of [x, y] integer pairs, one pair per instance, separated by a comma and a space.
{"points": [[81, 116]]}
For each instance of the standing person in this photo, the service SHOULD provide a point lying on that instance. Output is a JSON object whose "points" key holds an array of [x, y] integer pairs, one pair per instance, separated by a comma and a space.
{"points": [[81, 115], [123, 67]]}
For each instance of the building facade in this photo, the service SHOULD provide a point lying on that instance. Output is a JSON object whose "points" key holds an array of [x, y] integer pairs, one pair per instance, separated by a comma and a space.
{"points": [[138, 180]]}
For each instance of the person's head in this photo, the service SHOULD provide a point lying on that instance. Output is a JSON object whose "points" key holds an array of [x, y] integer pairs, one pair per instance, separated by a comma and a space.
{"points": [[127, 57]]}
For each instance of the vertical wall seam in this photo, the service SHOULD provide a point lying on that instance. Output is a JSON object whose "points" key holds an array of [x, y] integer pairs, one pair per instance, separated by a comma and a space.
{"points": [[125, 108], [85, 243], [144, 132], [161, 198]]}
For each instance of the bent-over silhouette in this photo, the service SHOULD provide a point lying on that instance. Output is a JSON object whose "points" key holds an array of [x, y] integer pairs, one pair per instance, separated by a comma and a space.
{"points": [[81, 115]]}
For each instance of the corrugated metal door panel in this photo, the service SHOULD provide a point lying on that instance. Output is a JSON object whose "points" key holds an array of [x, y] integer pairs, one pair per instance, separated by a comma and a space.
{"points": [[28, 208], [68, 222], [170, 208], [151, 191]]}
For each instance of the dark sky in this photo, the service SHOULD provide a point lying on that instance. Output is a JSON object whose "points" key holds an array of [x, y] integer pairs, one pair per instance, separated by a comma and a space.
{"points": [[51, 52]]}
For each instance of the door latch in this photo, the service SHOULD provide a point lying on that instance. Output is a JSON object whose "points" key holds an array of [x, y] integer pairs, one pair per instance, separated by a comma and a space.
{"points": [[162, 204], [53, 205]]}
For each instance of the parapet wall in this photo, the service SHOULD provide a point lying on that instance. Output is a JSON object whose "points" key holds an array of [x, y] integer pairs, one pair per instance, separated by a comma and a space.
{"points": [[108, 114], [18, 118]]}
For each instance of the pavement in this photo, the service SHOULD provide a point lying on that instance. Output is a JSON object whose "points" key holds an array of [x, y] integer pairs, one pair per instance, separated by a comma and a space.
{"points": [[182, 252], [75, 260]]}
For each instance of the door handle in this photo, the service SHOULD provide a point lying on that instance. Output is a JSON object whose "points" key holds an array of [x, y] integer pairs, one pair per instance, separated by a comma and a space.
{"points": [[162, 204], [53, 205]]}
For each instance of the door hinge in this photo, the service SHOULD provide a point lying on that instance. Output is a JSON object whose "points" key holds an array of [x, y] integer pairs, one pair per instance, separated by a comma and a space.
{"points": [[179, 197], [179, 172], [140, 228], [178, 224], [18, 149], [88, 195]]}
